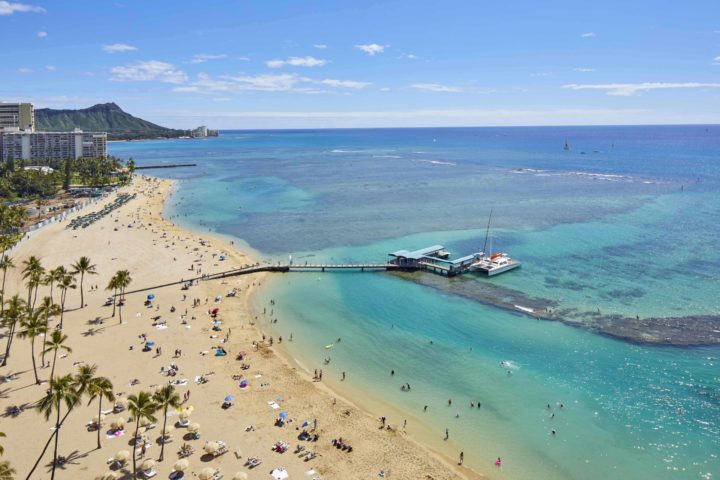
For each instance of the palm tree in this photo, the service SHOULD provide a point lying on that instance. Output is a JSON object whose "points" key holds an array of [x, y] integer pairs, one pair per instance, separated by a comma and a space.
{"points": [[6, 471], [2, 435], [16, 310], [56, 342], [84, 376], [62, 391], [5, 263], [55, 276], [164, 398], [67, 282], [123, 281], [33, 274], [100, 387], [141, 406], [113, 286], [83, 266], [49, 309], [33, 325]]}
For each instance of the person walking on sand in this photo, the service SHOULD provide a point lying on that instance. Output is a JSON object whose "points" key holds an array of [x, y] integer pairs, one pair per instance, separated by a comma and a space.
{"points": [[447, 434], [462, 458]]}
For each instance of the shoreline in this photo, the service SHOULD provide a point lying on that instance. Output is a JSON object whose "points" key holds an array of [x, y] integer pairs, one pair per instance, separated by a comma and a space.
{"points": [[138, 238]]}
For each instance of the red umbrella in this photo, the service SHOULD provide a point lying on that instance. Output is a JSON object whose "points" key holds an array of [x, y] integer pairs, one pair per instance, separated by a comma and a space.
{"points": [[215, 310]]}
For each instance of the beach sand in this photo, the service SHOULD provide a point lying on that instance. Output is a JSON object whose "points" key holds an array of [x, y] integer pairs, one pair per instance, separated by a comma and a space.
{"points": [[136, 237]]}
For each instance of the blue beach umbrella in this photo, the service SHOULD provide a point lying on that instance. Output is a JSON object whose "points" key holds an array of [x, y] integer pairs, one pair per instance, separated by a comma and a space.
{"points": [[151, 296], [150, 344], [283, 415], [229, 398]]}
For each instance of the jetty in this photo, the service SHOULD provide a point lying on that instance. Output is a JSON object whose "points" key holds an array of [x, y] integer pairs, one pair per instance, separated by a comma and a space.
{"points": [[170, 165]]}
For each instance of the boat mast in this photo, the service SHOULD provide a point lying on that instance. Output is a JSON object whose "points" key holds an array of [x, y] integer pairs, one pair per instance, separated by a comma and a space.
{"points": [[487, 232]]}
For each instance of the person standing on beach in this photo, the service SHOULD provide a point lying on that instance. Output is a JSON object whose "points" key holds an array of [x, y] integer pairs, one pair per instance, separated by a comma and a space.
{"points": [[462, 458]]}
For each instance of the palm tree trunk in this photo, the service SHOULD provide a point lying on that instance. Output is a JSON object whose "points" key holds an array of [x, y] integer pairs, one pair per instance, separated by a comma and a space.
{"points": [[47, 444], [62, 308], [2, 305], [114, 301], [52, 371], [32, 351], [47, 320], [7, 346], [57, 436], [137, 427], [82, 295], [99, 421], [121, 304], [35, 298], [51, 293], [162, 434]]}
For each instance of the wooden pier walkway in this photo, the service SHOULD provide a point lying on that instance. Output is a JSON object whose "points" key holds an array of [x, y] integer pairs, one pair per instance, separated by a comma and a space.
{"points": [[283, 268]]}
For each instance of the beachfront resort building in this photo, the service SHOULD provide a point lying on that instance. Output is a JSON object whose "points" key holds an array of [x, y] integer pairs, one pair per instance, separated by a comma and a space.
{"points": [[202, 131], [19, 116], [28, 145]]}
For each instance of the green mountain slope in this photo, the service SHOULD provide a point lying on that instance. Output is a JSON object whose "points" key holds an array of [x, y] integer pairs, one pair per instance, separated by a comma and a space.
{"points": [[105, 117]]}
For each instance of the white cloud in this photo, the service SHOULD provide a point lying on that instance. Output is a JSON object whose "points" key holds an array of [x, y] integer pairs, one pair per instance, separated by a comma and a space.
{"points": [[42, 34], [343, 83], [371, 49], [385, 89], [244, 59], [411, 56], [321, 46], [716, 60], [150, 70], [588, 35], [542, 74], [584, 69], [24, 70], [436, 87], [50, 68], [297, 62], [118, 48], [628, 89], [8, 8], [204, 57]]}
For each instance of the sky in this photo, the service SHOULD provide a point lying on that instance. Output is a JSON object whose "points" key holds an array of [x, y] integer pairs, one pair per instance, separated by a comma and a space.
{"points": [[396, 63]]}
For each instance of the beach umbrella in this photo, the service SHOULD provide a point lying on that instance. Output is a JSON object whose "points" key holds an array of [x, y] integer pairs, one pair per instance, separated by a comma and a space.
{"points": [[194, 427], [97, 420], [184, 415], [151, 296], [150, 344], [148, 464], [117, 424], [283, 415], [206, 473], [145, 423], [122, 456], [211, 447], [215, 311], [279, 474], [244, 384], [181, 465], [240, 476], [121, 403], [229, 398]]}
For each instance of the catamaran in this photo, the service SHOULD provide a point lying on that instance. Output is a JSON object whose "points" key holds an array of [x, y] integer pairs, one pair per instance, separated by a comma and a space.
{"points": [[493, 263]]}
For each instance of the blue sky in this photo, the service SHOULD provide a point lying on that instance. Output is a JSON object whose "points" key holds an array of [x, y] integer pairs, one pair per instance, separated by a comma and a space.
{"points": [[320, 63]]}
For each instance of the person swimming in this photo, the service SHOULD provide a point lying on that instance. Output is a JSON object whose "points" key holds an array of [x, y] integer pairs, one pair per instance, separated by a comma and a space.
{"points": [[498, 462]]}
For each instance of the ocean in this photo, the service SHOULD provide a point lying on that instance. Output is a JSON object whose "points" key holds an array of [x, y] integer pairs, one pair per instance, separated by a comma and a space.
{"points": [[622, 226]]}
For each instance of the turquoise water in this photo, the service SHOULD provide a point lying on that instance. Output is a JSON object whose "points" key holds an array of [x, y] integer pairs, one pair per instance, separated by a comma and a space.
{"points": [[629, 227]]}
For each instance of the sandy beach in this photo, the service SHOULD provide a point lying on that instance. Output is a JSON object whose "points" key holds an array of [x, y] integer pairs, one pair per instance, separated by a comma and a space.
{"points": [[156, 252]]}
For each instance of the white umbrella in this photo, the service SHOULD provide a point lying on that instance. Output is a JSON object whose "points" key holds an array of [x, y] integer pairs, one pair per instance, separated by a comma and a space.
{"points": [[279, 474], [181, 465], [122, 456], [206, 473], [240, 476], [148, 464], [211, 447], [194, 428]]}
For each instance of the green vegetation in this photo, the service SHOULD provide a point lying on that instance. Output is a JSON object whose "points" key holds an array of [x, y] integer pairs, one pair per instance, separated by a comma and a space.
{"points": [[105, 117]]}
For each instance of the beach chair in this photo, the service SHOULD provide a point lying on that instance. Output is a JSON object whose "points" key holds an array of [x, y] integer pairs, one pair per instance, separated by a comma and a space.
{"points": [[149, 473], [253, 462]]}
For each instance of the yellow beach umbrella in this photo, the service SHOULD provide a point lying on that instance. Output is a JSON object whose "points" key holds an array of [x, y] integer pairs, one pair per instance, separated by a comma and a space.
{"points": [[145, 422], [185, 414], [211, 447], [118, 423], [181, 465], [194, 427], [148, 464], [240, 476], [206, 473], [97, 420]]}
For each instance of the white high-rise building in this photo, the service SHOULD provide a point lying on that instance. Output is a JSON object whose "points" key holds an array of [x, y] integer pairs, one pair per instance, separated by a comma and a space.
{"points": [[25, 145], [19, 116]]}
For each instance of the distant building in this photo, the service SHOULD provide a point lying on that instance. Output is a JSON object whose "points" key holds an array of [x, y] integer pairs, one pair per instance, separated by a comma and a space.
{"points": [[27, 145], [19, 116], [203, 132], [40, 168]]}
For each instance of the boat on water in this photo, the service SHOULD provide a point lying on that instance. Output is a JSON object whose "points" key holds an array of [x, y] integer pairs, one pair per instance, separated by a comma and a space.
{"points": [[494, 264]]}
